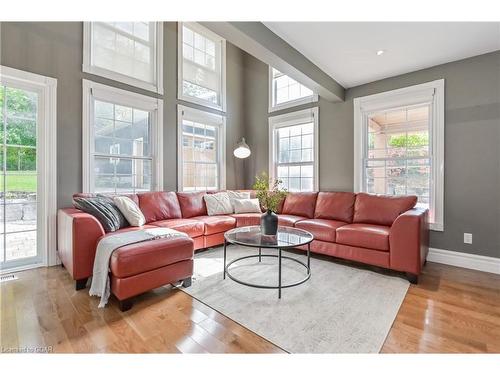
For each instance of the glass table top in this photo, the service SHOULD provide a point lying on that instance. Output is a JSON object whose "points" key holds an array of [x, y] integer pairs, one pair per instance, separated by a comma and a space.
{"points": [[251, 236]]}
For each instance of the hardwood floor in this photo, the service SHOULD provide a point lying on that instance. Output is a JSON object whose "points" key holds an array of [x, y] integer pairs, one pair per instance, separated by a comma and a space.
{"points": [[450, 310]]}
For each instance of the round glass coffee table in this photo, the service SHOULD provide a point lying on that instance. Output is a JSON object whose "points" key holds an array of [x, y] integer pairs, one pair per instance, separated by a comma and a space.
{"points": [[286, 238]]}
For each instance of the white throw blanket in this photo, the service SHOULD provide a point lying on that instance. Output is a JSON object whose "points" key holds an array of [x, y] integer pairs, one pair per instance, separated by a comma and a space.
{"points": [[100, 279]]}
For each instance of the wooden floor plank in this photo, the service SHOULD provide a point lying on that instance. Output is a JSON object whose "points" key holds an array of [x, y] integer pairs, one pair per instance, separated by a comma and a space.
{"points": [[451, 310]]}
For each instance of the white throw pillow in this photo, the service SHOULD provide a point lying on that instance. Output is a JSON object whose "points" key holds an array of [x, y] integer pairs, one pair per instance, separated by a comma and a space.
{"points": [[237, 195], [245, 206], [130, 210], [218, 204]]}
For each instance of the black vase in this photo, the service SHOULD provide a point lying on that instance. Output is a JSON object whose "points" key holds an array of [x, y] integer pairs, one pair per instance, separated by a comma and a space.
{"points": [[269, 223]]}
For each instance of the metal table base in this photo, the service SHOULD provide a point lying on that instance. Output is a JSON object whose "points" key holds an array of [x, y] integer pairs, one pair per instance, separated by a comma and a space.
{"points": [[260, 256]]}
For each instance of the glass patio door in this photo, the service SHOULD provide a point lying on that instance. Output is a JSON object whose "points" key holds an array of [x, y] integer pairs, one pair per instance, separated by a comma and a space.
{"points": [[19, 120]]}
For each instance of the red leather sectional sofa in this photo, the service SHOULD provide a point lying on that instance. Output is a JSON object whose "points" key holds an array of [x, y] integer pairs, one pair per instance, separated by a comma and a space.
{"points": [[382, 231]]}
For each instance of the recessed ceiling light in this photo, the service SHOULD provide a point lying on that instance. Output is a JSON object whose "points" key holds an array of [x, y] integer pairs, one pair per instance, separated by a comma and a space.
{"points": [[380, 52]]}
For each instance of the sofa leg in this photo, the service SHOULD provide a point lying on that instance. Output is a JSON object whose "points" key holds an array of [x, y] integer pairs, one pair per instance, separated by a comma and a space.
{"points": [[81, 284], [126, 304], [186, 282], [412, 278]]}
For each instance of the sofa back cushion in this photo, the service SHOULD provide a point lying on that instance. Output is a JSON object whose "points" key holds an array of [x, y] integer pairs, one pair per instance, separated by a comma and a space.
{"points": [[335, 206], [381, 210], [300, 204], [159, 205], [192, 204]]}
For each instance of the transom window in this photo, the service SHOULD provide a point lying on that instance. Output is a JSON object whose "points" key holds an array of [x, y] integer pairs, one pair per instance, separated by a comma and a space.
{"points": [[122, 155], [286, 92], [201, 165], [294, 150], [129, 52], [201, 66], [399, 138]]}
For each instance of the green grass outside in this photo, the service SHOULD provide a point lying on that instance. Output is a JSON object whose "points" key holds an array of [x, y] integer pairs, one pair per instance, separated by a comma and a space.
{"points": [[21, 181]]}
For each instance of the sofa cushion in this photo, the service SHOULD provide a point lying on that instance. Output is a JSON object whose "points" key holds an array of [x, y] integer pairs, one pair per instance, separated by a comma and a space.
{"points": [[248, 219], [192, 204], [236, 195], [193, 228], [335, 206], [321, 229], [218, 204], [300, 204], [159, 205], [104, 209], [364, 235], [289, 220], [246, 206], [149, 255], [381, 210], [216, 224], [130, 210]]}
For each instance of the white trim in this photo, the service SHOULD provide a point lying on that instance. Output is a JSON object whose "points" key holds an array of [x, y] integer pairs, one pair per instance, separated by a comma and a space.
{"points": [[91, 91], [431, 93], [290, 119], [464, 260], [180, 63], [46, 87], [292, 103], [210, 118], [88, 67], [27, 267]]}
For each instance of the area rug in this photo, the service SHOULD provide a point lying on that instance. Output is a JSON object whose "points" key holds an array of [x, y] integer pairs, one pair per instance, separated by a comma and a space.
{"points": [[340, 309]]}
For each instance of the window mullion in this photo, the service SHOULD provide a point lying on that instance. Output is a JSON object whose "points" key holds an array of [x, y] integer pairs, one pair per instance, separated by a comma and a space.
{"points": [[117, 30]]}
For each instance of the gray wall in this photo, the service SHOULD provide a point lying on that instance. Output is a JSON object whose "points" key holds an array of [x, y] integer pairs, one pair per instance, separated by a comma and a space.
{"points": [[472, 144], [54, 49]]}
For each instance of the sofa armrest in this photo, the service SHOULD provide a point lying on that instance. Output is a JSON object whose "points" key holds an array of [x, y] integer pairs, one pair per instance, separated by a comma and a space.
{"points": [[77, 237], [409, 241]]}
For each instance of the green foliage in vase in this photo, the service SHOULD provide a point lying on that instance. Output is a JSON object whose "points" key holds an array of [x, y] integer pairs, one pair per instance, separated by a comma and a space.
{"points": [[269, 193]]}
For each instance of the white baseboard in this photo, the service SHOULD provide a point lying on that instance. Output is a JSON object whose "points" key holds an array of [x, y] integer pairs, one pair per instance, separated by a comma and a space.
{"points": [[464, 260]]}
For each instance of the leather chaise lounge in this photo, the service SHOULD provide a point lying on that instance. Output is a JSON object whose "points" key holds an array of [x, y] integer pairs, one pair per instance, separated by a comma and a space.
{"points": [[388, 232]]}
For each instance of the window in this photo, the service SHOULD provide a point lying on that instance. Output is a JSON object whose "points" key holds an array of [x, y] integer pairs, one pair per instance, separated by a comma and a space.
{"points": [[122, 140], [202, 66], [294, 149], [128, 52], [399, 145], [202, 145], [285, 92]]}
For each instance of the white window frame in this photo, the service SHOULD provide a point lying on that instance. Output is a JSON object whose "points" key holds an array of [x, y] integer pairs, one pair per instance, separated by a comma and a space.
{"points": [[292, 103], [291, 119], [96, 91], [221, 152], [180, 63], [430, 93], [88, 67], [46, 87]]}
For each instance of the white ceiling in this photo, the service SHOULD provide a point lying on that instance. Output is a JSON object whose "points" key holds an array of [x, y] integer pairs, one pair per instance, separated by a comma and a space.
{"points": [[347, 50]]}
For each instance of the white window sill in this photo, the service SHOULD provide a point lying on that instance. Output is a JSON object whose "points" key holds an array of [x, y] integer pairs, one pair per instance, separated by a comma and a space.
{"points": [[294, 103], [436, 227]]}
